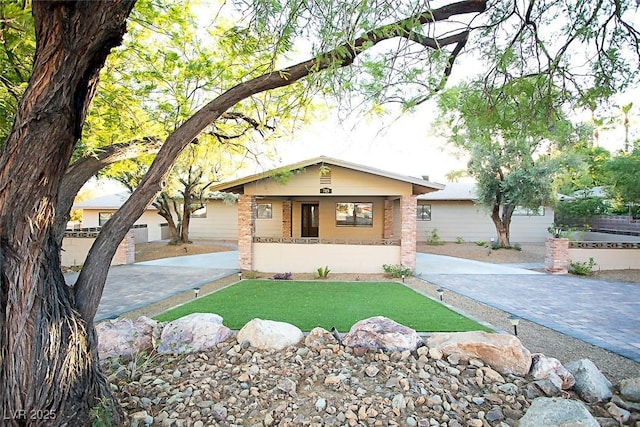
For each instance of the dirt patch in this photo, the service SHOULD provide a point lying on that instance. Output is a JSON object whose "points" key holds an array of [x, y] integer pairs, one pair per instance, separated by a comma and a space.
{"points": [[527, 253], [156, 250]]}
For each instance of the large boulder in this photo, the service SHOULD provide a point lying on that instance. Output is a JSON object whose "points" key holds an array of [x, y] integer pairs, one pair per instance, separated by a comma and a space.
{"points": [[591, 385], [381, 333], [192, 333], [269, 334], [505, 353], [550, 368], [557, 412], [630, 389], [124, 337]]}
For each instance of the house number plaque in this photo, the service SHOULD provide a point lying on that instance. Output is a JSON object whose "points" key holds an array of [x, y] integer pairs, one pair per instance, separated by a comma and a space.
{"points": [[325, 190]]}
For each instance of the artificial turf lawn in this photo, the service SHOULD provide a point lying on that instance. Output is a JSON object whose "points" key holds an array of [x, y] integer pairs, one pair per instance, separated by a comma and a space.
{"points": [[308, 304]]}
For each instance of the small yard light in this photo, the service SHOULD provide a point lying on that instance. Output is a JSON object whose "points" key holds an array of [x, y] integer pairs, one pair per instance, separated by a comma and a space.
{"points": [[556, 232], [514, 320], [196, 291], [440, 293], [403, 278], [239, 275]]}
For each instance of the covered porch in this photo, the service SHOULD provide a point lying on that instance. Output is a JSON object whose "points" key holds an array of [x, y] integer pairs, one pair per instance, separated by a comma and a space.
{"points": [[347, 217]]}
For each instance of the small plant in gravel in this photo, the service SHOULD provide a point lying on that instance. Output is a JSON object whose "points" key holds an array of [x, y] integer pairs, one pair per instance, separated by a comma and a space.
{"points": [[582, 268], [397, 271], [323, 272], [282, 276], [459, 240], [434, 239], [481, 243]]}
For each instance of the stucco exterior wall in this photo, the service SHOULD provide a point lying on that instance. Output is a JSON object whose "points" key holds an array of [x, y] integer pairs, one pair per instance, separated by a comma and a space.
{"points": [[344, 182], [464, 219], [221, 222], [270, 227], [282, 257], [607, 259], [149, 217]]}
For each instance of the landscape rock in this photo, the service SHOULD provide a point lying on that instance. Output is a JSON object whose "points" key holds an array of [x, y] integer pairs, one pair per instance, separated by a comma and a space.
{"points": [[591, 385], [193, 333], [617, 413], [381, 333], [543, 367], [318, 338], [124, 337], [269, 334], [557, 412], [505, 353], [630, 389]]}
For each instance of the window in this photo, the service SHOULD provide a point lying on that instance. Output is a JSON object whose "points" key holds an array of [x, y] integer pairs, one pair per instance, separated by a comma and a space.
{"points": [[265, 211], [354, 214], [103, 217], [520, 211], [424, 212]]}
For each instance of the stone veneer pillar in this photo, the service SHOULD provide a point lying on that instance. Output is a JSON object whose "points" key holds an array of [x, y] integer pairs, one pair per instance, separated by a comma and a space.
{"points": [[246, 230], [126, 251], [556, 257], [408, 234], [388, 220], [286, 218]]}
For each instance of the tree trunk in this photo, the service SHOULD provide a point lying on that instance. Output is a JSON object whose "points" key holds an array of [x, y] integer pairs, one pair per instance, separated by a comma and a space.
{"points": [[49, 372], [162, 203], [502, 228]]}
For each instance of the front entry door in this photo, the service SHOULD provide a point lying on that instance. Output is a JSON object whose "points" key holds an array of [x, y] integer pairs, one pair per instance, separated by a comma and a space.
{"points": [[310, 219]]}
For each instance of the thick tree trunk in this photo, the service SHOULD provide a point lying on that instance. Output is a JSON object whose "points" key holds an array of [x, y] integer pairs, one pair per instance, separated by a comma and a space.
{"points": [[502, 224], [49, 373]]}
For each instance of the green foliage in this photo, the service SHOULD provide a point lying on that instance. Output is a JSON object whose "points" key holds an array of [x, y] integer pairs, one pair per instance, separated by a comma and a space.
{"points": [[397, 271], [459, 240], [576, 213], [434, 239], [323, 272], [481, 243], [582, 268], [504, 131], [623, 176], [102, 414]]}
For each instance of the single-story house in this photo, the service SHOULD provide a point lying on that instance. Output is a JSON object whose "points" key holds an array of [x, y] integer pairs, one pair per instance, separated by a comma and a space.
{"points": [[217, 220], [454, 215], [327, 212]]}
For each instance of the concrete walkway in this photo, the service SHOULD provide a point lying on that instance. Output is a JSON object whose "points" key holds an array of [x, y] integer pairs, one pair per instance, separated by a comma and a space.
{"points": [[137, 285], [606, 314]]}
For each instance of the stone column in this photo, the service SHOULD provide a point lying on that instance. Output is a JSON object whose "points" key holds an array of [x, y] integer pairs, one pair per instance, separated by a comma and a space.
{"points": [[388, 220], [126, 251], [246, 230], [286, 218], [408, 234], [556, 257]]}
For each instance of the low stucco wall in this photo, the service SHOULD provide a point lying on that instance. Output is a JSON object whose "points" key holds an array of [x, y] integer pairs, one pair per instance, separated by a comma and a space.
{"points": [[607, 259], [307, 258]]}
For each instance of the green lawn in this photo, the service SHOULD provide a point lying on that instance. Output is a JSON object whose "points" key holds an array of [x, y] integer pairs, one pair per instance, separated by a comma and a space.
{"points": [[308, 304]]}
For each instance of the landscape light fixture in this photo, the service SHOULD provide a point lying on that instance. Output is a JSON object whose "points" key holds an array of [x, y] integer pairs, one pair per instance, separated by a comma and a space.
{"points": [[239, 275], [195, 292], [514, 320], [557, 232], [403, 278], [440, 293]]}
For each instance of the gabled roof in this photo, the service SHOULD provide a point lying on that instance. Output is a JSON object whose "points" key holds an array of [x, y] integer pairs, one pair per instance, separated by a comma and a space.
{"points": [[419, 185]]}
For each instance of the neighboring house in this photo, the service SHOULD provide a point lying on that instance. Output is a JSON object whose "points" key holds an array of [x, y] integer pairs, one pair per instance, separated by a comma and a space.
{"points": [[453, 213], [326, 212], [217, 220]]}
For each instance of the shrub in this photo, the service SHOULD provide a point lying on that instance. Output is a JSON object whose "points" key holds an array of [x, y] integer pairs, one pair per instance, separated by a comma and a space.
{"points": [[582, 268], [459, 240], [282, 276], [396, 270], [481, 243], [434, 239], [323, 273]]}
